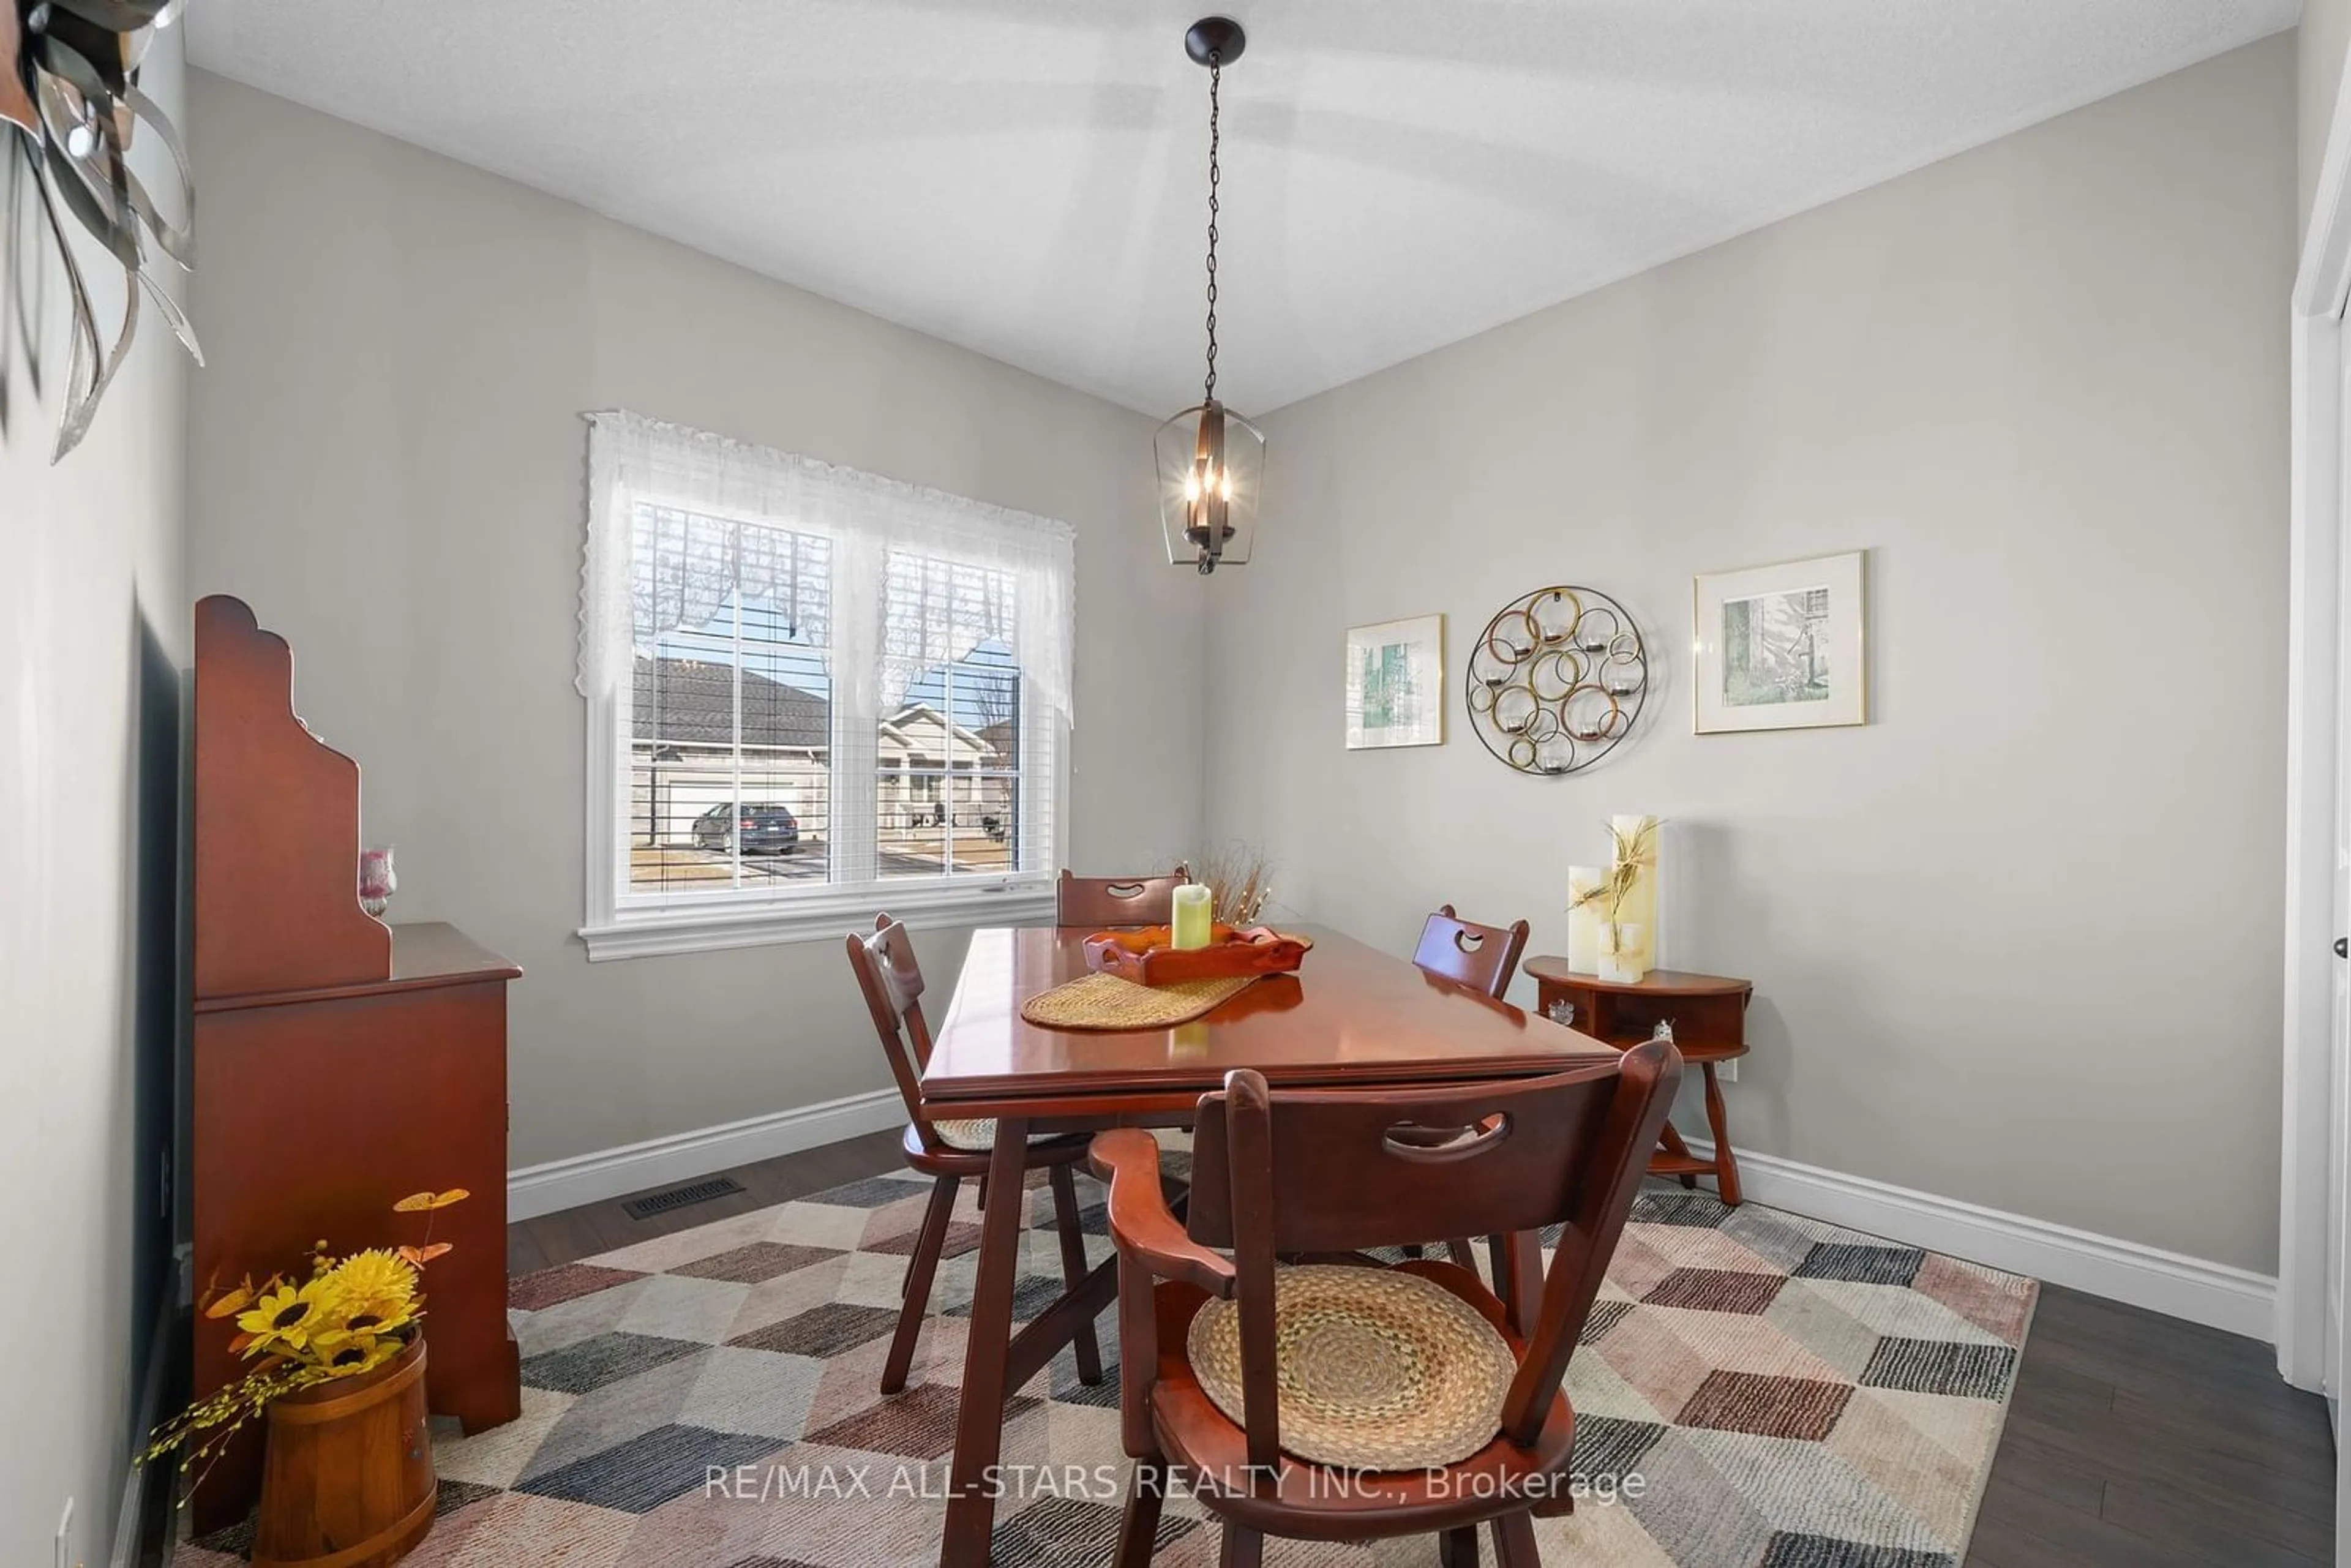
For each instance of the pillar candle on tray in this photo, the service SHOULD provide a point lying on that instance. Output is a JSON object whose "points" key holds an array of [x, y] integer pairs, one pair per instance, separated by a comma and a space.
{"points": [[1192, 920], [1584, 914]]}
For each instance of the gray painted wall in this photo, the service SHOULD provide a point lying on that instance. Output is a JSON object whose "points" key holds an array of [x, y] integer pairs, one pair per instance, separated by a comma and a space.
{"points": [[2319, 45], [2016, 941], [389, 464], [93, 632]]}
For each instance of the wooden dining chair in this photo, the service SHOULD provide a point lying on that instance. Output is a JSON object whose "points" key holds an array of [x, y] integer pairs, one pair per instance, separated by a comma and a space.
{"points": [[1102, 901], [1485, 958], [1324, 1172], [1118, 900], [948, 1151]]}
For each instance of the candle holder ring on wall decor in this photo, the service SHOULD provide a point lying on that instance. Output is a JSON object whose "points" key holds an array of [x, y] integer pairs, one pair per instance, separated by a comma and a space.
{"points": [[1557, 679]]}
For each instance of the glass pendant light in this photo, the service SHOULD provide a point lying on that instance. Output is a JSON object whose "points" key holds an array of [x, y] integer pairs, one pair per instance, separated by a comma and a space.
{"points": [[1211, 460]]}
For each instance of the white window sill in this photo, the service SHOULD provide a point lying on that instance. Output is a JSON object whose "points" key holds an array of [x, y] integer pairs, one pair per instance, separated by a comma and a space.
{"points": [[826, 915]]}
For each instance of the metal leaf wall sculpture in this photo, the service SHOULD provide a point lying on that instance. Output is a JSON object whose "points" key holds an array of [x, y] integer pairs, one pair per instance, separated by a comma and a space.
{"points": [[70, 95]]}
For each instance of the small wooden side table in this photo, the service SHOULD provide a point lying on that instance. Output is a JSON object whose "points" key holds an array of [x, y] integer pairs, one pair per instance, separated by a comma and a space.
{"points": [[1709, 1018]]}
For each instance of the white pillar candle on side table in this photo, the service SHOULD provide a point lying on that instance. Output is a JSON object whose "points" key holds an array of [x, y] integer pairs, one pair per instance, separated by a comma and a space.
{"points": [[1638, 910], [1192, 922], [1621, 963], [1585, 915]]}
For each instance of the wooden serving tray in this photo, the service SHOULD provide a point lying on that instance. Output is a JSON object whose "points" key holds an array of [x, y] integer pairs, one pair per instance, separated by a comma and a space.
{"points": [[1144, 957]]}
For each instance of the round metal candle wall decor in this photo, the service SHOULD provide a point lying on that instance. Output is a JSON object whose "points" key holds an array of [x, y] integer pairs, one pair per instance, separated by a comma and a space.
{"points": [[1557, 679]]}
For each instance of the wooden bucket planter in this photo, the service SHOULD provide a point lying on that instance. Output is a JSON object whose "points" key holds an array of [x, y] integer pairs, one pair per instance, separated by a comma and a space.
{"points": [[347, 1474]]}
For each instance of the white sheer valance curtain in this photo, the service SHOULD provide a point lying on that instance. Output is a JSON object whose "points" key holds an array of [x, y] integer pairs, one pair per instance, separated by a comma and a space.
{"points": [[1028, 562]]}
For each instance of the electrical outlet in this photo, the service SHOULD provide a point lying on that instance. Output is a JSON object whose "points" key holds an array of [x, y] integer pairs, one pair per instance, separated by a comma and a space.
{"points": [[1727, 1071], [64, 1556]]}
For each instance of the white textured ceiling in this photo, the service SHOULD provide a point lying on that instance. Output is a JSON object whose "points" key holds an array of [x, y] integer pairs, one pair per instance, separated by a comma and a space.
{"points": [[1026, 177]]}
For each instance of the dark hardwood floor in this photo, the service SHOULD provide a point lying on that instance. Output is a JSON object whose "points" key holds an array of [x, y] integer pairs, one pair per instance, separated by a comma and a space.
{"points": [[2134, 1440], [2138, 1439], [575, 1233]]}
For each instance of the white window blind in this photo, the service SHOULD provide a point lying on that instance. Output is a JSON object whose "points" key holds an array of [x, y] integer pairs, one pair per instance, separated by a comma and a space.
{"points": [[812, 693]]}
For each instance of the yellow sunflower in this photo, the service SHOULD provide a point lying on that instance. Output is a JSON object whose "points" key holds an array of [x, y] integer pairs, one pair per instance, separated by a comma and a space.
{"points": [[283, 1320], [375, 1292], [349, 1354]]}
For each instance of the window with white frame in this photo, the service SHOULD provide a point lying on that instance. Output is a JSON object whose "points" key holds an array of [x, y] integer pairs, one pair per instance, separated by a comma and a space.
{"points": [[812, 693]]}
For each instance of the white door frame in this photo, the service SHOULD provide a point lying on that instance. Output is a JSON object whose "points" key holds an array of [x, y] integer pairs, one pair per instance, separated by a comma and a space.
{"points": [[2313, 1102]]}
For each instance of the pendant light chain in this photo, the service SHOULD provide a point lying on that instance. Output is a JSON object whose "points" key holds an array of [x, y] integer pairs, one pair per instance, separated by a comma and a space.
{"points": [[1210, 460], [1215, 80]]}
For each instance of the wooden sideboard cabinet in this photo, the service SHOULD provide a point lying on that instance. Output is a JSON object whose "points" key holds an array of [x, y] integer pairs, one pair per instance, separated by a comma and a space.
{"points": [[339, 1063]]}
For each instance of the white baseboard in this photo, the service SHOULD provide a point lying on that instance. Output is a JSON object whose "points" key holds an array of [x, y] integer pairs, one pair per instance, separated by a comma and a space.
{"points": [[2172, 1283], [2213, 1294], [659, 1162]]}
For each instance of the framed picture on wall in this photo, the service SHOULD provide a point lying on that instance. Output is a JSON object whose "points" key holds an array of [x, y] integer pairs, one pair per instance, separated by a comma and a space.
{"points": [[1395, 684], [1780, 647]]}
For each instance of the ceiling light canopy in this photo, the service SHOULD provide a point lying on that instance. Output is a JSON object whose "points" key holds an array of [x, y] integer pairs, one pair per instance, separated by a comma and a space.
{"points": [[1211, 460]]}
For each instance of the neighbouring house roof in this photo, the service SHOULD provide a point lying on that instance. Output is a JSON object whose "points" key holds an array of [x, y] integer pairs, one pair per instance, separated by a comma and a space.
{"points": [[923, 730], [690, 702]]}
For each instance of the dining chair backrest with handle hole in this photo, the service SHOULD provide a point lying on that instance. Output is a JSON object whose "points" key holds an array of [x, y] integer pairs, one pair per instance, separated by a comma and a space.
{"points": [[1483, 957], [1118, 900], [893, 984], [1325, 1171]]}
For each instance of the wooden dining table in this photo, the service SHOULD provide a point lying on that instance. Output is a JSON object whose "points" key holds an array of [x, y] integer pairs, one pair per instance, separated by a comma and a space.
{"points": [[1350, 1016]]}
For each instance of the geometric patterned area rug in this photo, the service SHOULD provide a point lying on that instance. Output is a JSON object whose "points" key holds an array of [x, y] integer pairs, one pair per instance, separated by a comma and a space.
{"points": [[1754, 1390]]}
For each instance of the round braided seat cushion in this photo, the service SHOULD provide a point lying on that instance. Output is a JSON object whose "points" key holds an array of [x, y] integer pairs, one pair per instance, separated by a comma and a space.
{"points": [[1376, 1369], [977, 1133]]}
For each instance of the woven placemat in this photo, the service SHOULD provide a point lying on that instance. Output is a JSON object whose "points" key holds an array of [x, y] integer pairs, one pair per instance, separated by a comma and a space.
{"points": [[1107, 1002], [1373, 1369]]}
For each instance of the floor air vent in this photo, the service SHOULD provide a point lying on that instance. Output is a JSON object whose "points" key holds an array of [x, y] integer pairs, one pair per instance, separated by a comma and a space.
{"points": [[679, 1197]]}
